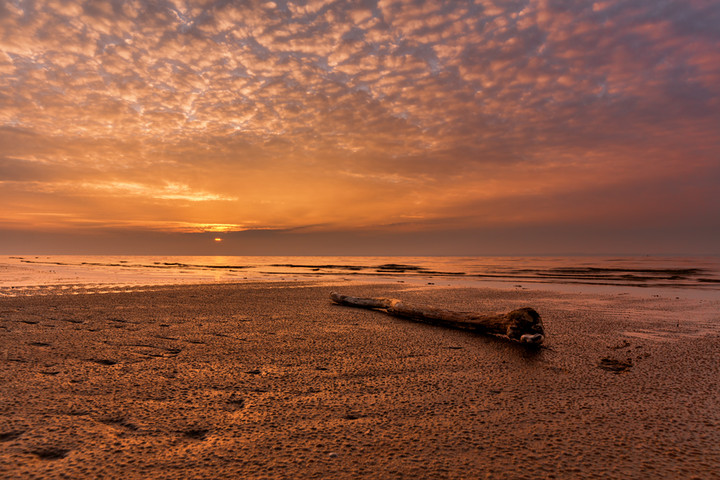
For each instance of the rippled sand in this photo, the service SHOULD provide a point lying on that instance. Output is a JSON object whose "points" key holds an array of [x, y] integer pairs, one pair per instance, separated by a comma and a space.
{"points": [[261, 381]]}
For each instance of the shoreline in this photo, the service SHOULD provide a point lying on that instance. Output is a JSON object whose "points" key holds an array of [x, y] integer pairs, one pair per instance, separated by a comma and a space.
{"points": [[274, 381], [419, 282], [696, 277]]}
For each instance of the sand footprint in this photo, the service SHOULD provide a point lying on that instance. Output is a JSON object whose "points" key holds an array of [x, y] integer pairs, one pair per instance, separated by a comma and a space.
{"points": [[50, 453], [237, 402], [119, 422], [195, 433], [156, 351], [11, 435], [103, 361]]}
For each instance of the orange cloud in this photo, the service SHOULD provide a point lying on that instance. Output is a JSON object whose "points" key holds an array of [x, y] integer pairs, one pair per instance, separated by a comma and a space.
{"points": [[350, 115]]}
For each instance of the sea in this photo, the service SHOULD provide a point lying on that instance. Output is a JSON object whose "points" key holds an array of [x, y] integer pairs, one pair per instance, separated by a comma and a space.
{"points": [[691, 277]]}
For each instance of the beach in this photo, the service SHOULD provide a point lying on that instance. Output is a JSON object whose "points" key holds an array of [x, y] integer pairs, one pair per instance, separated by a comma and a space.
{"points": [[273, 380]]}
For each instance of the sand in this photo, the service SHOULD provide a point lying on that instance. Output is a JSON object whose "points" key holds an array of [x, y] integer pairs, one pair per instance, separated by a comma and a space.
{"points": [[274, 381]]}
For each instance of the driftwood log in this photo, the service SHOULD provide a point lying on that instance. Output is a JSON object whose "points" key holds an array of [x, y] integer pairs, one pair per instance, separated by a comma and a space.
{"points": [[523, 325]]}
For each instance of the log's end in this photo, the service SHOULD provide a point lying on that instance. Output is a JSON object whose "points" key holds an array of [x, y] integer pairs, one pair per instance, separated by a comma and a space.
{"points": [[337, 298], [361, 301], [525, 325], [532, 339]]}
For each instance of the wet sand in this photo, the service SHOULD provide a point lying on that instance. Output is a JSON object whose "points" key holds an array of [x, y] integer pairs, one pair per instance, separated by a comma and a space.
{"points": [[274, 381]]}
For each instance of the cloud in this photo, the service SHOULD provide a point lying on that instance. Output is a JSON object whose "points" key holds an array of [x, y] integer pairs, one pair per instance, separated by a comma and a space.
{"points": [[288, 112]]}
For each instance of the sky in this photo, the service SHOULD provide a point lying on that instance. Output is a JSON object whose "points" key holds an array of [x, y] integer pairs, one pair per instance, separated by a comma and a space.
{"points": [[471, 127]]}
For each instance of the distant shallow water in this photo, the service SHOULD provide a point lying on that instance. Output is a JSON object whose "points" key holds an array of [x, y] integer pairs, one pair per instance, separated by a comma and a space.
{"points": [[68, 274]]}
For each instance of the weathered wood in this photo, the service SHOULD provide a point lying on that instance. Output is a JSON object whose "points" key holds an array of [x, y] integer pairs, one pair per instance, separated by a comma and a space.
{"points": [[523, 325]]}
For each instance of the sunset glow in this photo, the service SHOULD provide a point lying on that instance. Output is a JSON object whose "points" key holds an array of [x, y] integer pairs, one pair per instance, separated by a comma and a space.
{"points": [[323, 118]]}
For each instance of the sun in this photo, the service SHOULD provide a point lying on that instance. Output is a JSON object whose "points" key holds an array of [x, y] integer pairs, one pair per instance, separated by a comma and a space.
{"points": [[217, 239]]}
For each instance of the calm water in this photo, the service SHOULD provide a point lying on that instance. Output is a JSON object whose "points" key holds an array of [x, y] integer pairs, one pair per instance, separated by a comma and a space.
{"points": [[33, 275]]}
